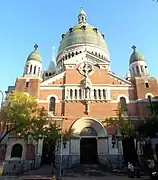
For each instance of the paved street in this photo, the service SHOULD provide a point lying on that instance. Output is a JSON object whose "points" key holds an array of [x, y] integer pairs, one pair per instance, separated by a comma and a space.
{"points": [[29, 177]]}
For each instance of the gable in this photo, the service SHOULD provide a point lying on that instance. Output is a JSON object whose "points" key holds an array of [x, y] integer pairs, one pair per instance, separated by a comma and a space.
{"points": [[119, 79], [55, 79]]}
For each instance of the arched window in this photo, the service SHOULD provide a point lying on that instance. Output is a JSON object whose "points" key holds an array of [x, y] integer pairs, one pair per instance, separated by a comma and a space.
{"points": [[50, 74], [34, 72], [72, 54], [76, 52], [137, 69], [75, 93], [99, 93], [52, 104], [80, 94], [17, 150], [71, 93], [104, 93], [30, 69], [95, 94], [69, 55], [123, 104], [66, 57]]}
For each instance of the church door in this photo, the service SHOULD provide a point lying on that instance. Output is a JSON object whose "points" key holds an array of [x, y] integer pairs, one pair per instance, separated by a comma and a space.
{"points": [[88, 151]]}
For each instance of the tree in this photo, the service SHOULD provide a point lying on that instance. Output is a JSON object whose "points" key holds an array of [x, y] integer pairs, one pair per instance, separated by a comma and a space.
{"points": [[17, 112], [124, 125], [149, 127], [22, 116]]}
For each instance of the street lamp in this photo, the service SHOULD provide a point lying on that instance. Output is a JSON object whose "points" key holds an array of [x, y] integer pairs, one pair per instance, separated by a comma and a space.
{"points": [[61, 155]]}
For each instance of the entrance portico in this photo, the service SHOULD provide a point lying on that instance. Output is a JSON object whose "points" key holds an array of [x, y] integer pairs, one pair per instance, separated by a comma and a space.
{"points": [[90, 140]]}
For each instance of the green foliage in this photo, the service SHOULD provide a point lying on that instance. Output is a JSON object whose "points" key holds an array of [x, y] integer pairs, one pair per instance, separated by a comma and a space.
{"points": [[124, 126], [17, 112], [149, 127], [24, 117]]}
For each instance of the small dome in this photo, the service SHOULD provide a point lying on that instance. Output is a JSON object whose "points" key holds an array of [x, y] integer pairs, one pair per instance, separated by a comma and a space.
{"points": [[135, 56], [52, 67], [35, 55]]}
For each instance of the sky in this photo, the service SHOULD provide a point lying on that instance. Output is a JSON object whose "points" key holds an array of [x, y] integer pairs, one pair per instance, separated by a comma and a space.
{"points": [[24, 23]]}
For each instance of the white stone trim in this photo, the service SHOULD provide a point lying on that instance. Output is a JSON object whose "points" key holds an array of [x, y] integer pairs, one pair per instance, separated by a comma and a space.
{"points": [[122, 95], [53, 95], [97, 86], [51, 88], [148, 94], [79, 124]]}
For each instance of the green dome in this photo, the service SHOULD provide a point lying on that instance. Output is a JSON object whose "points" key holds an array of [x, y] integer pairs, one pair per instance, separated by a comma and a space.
{"points": [[135, 56], [35, 55], [82, 33]]}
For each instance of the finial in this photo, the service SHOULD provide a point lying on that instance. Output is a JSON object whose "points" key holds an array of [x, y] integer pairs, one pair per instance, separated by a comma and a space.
{"points": [[134, 48], [81, 8], [36, 46]]}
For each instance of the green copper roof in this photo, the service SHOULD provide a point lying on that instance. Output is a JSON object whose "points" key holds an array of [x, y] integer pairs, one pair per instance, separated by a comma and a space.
{"points": [[35, 55], [82, 34], [135, 56]]}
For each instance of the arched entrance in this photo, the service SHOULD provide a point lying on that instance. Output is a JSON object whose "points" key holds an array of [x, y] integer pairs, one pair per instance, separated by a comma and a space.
{"points": [[88, 146], [88, 130]]}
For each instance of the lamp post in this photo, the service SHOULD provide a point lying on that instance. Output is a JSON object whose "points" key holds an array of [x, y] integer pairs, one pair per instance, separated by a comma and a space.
{"points": [[61, 155]]}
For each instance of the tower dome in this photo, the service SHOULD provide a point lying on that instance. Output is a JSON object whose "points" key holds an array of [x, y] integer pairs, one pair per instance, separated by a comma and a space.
{"points": [[135, 56], [35, 55], [137, 63], [33, 65]]}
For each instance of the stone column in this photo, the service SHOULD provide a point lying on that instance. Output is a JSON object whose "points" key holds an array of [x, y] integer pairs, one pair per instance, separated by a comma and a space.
{"points": [[101, 91], [73, 94], [78, 97]]}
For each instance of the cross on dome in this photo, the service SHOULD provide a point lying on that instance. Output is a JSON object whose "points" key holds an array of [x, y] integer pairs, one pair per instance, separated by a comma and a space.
{"points": [[36, 46], [134, 48]]}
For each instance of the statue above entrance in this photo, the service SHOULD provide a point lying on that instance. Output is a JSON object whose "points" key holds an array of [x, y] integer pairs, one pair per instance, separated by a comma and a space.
{"points": [[86, 69]]}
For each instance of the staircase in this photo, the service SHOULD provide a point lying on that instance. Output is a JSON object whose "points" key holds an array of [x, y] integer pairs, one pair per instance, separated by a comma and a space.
{"points": [[87, 170]]}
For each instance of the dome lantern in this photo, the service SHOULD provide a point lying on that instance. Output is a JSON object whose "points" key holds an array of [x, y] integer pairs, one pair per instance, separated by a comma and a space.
{"points": [[82, 17]]}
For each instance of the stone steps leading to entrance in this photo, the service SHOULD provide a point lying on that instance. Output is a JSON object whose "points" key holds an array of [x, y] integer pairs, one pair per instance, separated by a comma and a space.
{"points": [[88, 169]]}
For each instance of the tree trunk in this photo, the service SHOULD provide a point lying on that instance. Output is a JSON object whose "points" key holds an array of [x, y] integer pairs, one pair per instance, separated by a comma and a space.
{"points": [[4, 135], [9, 131]]}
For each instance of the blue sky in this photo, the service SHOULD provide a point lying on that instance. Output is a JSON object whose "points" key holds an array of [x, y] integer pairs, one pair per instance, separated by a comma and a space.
{"points": [[124, 23]]}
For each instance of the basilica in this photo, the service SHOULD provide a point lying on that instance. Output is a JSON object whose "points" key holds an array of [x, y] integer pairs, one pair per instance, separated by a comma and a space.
{"points": [[80, 91]]}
